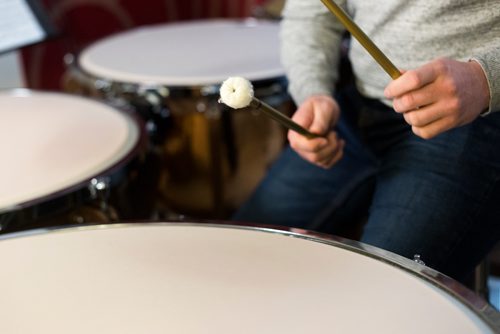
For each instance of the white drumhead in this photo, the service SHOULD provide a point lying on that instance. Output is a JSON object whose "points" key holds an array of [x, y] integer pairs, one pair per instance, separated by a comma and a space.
{"points": [[182, 54], [201, 279], [52, 141]]}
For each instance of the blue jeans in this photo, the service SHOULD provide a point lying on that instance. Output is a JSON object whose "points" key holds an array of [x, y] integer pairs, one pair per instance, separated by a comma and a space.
{"points": [[439, 198]]}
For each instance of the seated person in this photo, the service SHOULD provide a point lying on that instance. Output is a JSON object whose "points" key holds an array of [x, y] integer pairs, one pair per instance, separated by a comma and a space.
{"points": [[418, 156]]}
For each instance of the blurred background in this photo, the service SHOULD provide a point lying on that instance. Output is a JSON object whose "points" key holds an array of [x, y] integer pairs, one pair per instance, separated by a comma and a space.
{"points": [[81, 22]]}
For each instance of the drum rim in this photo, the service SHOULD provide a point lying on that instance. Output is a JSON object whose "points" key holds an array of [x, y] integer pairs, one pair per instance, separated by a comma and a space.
{"points": [[486, 313], [138, 145], [107, 86], [205, 82]]}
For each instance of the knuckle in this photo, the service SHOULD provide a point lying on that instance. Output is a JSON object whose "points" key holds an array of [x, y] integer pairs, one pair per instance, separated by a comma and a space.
{"points": [[314, 158], [415, 119], [451, 87], [414, 78], [452, 120], [416, 131], [315, 147], [396, 105], [409, 118], [338, 157], [422, 132], [306, 157], [441, 65], [408, 101], [427, 135], [328, 165], [454, 104]]}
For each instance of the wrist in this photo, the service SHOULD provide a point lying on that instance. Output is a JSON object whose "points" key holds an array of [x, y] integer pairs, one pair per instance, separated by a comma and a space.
{"points": [[480, 82]]}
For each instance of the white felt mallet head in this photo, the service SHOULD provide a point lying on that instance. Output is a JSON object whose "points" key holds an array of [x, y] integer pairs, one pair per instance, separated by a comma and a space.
{"points": [[236, 92]]}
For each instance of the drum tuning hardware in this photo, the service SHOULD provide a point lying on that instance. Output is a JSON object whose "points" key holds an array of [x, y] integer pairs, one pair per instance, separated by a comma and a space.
{"points": [[163, 91], [201, 107], [165, 113], [69, 59], [146, 89], [99, 188], [152, 98], [417, 259], [209, 90], [77, 219], [120, 103], [213, 112], [151, 127], [130, 88], [101, 84]]}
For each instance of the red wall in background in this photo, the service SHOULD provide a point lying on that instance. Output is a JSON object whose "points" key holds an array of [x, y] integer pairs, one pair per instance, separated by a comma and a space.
{"points": [[81, 22]]}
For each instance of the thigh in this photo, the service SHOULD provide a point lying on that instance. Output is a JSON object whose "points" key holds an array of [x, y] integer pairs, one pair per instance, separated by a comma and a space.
{"points": [[439, 198], [297, 193]]}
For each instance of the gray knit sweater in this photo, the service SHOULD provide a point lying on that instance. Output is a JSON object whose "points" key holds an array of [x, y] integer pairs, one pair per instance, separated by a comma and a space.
{"points": [[410, 33]]}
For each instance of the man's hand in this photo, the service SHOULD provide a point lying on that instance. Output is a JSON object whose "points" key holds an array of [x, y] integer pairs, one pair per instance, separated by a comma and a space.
{"points": [[318, 114], [440, 95]]}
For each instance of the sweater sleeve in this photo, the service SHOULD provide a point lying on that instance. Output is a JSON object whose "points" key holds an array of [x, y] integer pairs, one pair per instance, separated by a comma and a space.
{"points": [[310, 48], [490, 62]]}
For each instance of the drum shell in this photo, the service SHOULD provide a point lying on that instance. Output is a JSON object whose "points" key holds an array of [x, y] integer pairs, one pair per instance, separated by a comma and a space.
{"points": [[79, 204], [74, 207], [204, 158]]}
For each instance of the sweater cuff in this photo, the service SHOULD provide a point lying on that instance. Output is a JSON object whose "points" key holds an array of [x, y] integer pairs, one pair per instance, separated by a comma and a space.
{"points": [[301, 93], [490, 63]]}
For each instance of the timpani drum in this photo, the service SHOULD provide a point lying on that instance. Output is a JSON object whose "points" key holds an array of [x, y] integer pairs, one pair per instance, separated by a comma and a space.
{"points": [[61, 157], [215, 278], [208, 158]]}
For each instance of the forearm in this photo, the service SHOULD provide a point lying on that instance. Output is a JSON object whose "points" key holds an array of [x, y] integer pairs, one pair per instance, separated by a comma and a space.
{"points": [[310, 40]]}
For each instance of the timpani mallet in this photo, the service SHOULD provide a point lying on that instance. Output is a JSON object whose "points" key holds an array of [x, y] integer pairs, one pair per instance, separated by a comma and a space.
{"points": [[237, 93], [362, 38]]}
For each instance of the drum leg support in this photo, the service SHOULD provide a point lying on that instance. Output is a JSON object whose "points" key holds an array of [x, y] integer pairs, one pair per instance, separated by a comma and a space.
{"points": [[481, 274], [99, 189], [216, 170]]}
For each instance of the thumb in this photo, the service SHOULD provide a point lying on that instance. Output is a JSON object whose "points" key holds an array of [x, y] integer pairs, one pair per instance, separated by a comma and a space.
{"points": [[304, 115], [321, 124], [325, 115]]}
